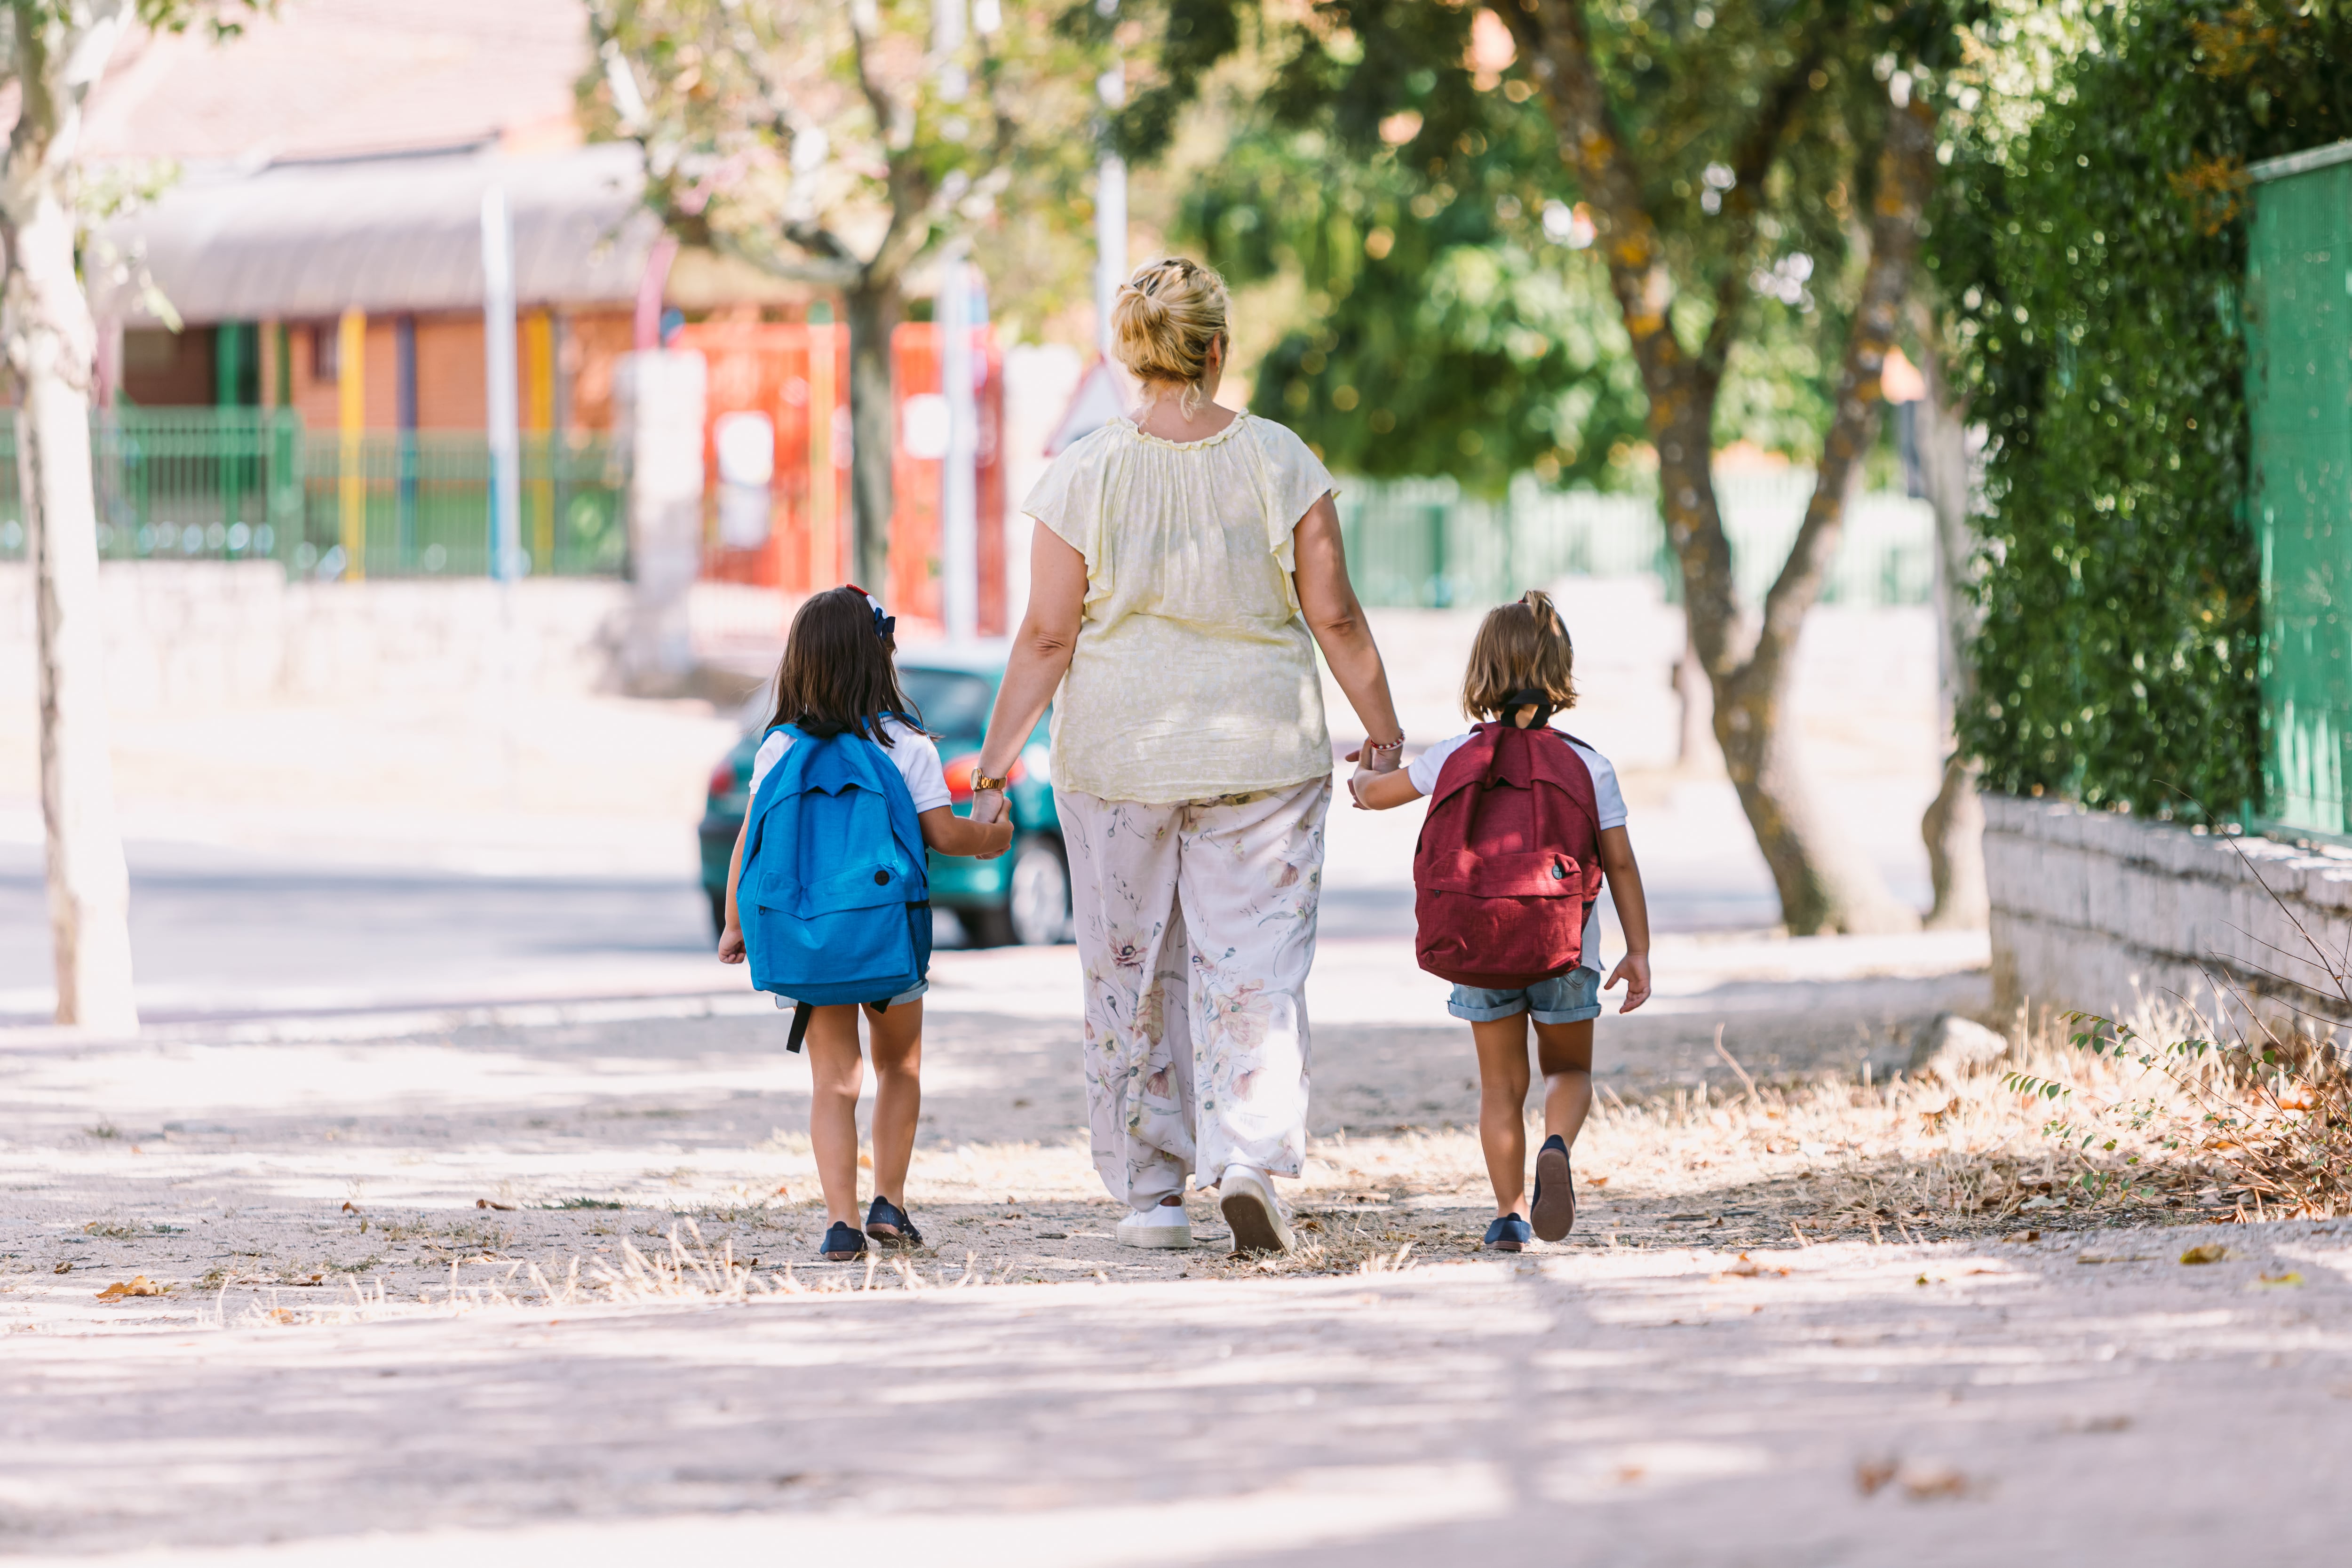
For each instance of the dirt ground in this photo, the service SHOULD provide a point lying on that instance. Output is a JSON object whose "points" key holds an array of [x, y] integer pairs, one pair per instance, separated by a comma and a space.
{"points": [[540, 1283]]}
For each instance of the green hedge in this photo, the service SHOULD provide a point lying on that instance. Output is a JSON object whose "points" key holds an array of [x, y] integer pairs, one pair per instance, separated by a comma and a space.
{"points": [[2093, 266]]}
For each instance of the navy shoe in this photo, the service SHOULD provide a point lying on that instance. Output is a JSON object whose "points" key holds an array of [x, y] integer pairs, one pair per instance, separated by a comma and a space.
{"points": [[887, 1223], [844, 1243], [1508, 1234], [1554, 1209]]}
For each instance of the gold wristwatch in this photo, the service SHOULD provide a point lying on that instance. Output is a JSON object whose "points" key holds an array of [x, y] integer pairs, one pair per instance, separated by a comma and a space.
{"points": [[981, 781]]}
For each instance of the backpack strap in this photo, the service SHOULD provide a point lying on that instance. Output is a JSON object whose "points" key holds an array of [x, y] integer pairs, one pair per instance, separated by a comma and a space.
{"points": [[801, 1011]]}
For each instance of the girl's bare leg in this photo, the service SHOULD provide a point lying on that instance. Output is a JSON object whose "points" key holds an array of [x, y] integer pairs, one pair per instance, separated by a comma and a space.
{"points": [[1565, 1052], [1502, 1105], [836, 1074], [896, 1040]]}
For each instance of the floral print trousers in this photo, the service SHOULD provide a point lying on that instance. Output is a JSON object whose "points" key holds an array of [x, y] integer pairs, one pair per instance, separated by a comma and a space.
{"points": [[1196, 926]]}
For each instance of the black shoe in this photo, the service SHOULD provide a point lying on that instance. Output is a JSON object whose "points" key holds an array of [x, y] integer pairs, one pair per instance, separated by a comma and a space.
{"points": [[1509, 1233], [843, 1243], [887, 1223], [1554, 1209]]}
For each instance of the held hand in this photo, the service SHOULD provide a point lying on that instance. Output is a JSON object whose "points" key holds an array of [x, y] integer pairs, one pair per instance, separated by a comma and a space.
{"points": [[1633, 972], [988, 806], [999, 839], [730, 945], [1357, 781]]}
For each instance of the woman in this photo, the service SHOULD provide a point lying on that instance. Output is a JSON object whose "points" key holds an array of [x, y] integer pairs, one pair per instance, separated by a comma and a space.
{"points": [[1188, 567]]}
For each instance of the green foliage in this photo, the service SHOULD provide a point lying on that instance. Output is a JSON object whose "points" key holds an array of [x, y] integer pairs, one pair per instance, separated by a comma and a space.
{"points": [[1451, 337], [1423, 205], [2092, 261]]}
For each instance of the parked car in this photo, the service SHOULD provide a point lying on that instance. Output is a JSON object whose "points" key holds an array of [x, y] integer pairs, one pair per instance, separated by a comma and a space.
{"points": [[1023, 895]]}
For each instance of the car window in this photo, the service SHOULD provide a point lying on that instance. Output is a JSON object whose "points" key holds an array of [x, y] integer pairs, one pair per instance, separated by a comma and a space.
{"points": [[954, 703]]}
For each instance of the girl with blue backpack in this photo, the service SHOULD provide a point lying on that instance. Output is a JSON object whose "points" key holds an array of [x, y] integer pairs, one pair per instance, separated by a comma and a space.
{"points": [[1524, 823], [829, 894]]}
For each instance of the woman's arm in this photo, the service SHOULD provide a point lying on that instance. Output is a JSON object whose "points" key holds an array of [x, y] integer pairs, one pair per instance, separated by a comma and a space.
{"points": [[948, 834], [1040, 658], [1327, 601], [1632, 914]]}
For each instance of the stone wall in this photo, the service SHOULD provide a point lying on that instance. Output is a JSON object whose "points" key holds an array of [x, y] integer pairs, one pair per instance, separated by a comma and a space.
{"points": [[199, 635], [2137, 919]]}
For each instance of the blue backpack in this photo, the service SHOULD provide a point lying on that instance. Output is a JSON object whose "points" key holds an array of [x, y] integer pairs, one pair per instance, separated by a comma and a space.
{"points": [[835, 892]]}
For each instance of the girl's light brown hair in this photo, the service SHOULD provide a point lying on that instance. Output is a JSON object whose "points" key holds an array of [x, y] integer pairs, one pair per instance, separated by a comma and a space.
{"points": [[1165, 321], [838, 672], [1520, 647]]}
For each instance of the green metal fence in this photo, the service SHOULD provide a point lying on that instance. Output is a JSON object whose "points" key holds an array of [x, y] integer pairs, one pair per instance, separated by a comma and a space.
{"points": [[1423, 541], [234, 484], [2299, 320]]}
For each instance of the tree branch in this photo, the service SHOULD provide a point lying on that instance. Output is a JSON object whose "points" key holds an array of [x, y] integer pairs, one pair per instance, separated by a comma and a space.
{"points": [[1752, 164], [1552, 36], [1906, 161], [1559, 52]]}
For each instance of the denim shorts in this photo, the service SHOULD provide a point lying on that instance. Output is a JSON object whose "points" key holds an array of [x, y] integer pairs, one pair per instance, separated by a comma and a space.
{"points": [[1569, 998], [909, 994]]}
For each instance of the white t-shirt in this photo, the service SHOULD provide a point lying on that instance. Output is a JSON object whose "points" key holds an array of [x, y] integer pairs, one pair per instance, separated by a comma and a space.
{"points": [[1608, 806], [917, 760]]}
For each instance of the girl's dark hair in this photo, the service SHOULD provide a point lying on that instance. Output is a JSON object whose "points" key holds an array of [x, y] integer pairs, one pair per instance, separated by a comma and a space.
{"points": [[1520, 647], [838, 672]]}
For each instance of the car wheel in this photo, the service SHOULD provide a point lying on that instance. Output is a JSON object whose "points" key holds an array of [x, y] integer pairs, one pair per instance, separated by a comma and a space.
{"points": [[1038, 911]]}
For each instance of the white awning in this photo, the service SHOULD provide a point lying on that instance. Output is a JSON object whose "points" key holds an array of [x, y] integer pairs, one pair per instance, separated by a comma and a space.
{"points": [[387, 235]]}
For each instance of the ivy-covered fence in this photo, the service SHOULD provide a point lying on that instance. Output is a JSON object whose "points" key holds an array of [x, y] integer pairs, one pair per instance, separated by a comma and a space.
{"points": [[2094, 265]]}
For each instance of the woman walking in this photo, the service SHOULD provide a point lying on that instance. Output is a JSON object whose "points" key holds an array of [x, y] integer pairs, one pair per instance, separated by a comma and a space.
{"points": [[1188, 567]]}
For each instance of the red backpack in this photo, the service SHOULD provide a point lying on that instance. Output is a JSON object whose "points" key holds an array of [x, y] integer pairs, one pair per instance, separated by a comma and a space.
{"points": [[1509, 857]]}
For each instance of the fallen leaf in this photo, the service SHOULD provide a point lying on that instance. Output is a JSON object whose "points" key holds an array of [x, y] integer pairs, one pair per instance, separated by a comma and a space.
{"points": [[865, 1161], [486, 1204], [1625, 1475], [62, 1268], [1747, 1269], [2211, 1252], [348, 1208], [782, 1192], [1871, 1474], [1921, 1280], [2096, 1424], [2022, 1235], [1596, 1180], [2292, 1277], [1939, 1481], [137, 1285]]}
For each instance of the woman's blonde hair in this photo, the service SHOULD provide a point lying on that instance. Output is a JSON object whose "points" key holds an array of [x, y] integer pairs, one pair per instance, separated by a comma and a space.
{"points": [[1521, 646], [1166, 320]]}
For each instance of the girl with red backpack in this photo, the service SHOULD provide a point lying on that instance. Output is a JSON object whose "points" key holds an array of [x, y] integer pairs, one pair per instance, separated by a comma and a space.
{"points": [[1524, 823]]}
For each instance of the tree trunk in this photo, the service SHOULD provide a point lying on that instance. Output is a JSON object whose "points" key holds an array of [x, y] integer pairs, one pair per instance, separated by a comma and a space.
{"points": [[1695, 711], [51, 345], [1953, 826], [873, 310], [1824, 884]]}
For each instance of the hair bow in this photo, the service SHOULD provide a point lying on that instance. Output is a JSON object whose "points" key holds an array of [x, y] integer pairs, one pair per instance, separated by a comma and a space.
{"points": [[883, 625]]}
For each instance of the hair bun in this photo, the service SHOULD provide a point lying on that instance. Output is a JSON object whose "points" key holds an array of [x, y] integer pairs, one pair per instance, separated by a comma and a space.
{"points": [[1166, 320]]}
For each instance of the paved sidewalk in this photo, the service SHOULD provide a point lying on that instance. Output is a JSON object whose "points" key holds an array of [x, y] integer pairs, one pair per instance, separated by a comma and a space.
{"points": [[1869, 1406]]}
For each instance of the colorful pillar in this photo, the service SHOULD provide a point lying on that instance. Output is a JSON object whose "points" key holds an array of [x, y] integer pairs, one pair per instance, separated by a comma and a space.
{"points": [[538, 423], [350, 388], [824, 523]]}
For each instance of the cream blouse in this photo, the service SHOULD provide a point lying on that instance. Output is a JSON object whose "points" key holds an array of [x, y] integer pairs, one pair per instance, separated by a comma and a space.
{"points": [[1194, 675]]}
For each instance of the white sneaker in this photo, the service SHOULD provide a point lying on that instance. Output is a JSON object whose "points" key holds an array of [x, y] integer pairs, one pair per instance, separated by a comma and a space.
{"points": [[1163, 1225], [1246, 1198]]}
